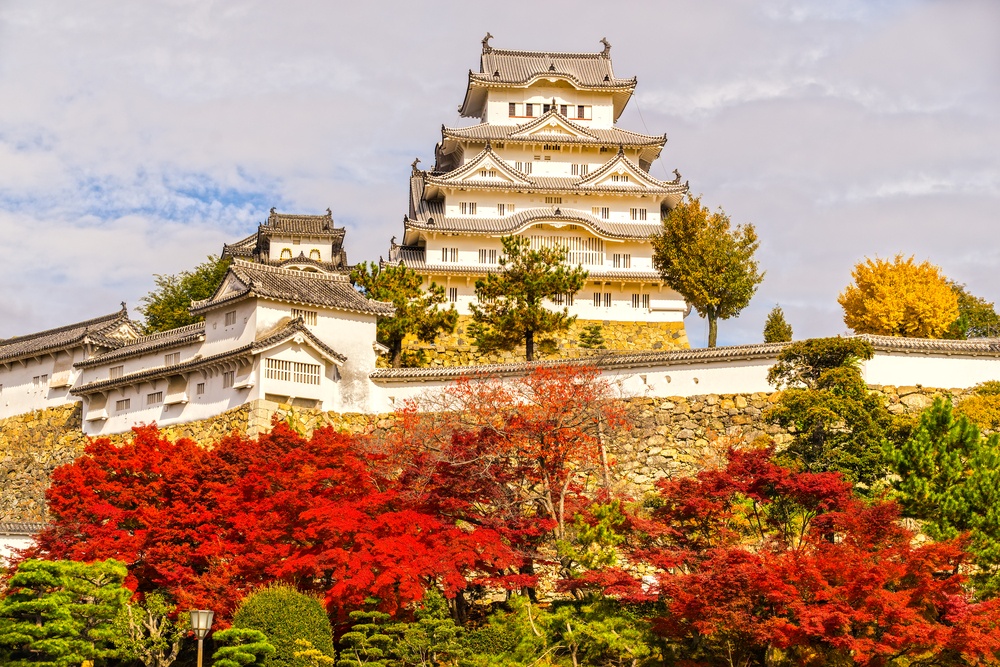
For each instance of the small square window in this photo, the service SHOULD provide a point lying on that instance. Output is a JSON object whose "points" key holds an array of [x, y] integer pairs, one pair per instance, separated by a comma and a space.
{"points": [[228, 379], [200, 388], [123, 404], [230, 318]]}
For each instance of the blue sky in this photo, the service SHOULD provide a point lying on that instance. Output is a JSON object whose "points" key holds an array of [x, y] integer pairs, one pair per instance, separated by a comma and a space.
{"points": [[137, 138]]}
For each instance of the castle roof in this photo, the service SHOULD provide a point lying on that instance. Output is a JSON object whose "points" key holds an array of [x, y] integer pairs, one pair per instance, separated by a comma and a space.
{"points": [[534, 131], [112, 331], [257, 245], [162, 340], [248, 279], [510, 68]]}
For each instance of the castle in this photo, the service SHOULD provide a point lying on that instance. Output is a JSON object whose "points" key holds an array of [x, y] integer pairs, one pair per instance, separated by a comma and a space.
{"points": [[286, 327]]}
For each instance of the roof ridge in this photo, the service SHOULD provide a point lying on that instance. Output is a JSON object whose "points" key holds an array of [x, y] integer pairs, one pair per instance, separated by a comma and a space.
{"points": [[543, 54], [113, 317], [311, 275], [163, 334]]}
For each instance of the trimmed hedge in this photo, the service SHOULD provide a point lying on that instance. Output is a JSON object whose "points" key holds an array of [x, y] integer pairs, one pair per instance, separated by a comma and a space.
{"points": [[284, 615]]}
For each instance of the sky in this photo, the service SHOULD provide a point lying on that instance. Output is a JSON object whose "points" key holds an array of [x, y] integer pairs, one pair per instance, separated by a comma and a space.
{"points": [[137, 138]]}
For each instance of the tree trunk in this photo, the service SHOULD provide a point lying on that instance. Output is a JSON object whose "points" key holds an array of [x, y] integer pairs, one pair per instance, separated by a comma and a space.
{"points": [[397, 354], [713, 327], [529, 345]]}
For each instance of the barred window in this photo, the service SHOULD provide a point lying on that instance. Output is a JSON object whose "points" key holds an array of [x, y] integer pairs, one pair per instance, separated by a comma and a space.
{"points": [[172, 359], [230, 318], [529, 109], [308, 316], [619, 178], [123, 404], [449, 254], [228, 379], [553, 200], [155, 398], [116, 372], [562, 109], [603, 212], [199, 388], [467, 207], [488, 173], [621, 260], [638, 213], [453, 294], [512, 109], [487, 255], [291, 371], [524, 167]]}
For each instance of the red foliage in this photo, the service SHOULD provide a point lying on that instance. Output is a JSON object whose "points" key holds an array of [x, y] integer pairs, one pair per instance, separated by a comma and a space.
{"points": [[755, 558]]}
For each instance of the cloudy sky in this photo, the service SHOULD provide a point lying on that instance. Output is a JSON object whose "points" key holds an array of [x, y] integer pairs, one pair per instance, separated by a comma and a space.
{"points": [[136, 138]]}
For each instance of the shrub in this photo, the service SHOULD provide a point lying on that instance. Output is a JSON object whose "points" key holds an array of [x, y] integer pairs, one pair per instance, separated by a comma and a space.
{"points": [[285, 615]]}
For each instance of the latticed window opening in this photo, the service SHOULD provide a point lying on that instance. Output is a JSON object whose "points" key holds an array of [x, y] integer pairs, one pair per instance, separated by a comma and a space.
{"points": [[291, 371], [578, 249]]}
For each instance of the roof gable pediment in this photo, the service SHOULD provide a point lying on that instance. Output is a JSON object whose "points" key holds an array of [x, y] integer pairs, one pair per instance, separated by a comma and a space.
{"points": [[488, 168], [620, 172], [552, 125]]}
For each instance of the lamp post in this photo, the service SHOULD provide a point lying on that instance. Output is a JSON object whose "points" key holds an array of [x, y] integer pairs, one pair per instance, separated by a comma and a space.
{"points": [[201, 623]]}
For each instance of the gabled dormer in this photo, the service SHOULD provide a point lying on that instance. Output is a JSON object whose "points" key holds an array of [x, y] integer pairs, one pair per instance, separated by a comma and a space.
{"points": [[553, 125], [621, 172], [485, 169]]}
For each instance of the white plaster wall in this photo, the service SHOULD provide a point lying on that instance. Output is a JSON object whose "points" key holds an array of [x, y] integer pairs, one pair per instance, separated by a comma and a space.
{"points": [[20, 394], [945, 372], [498, 112], [8, 543], [326, 393], [221, 338], [305, 245], [138, 363]]}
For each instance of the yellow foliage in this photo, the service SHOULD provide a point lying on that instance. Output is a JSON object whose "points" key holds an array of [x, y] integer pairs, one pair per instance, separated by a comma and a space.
{"points": [[983, 411], [899, 298]]}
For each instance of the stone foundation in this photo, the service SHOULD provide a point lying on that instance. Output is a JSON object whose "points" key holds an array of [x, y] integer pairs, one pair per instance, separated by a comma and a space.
{"points": [[457, 349]]}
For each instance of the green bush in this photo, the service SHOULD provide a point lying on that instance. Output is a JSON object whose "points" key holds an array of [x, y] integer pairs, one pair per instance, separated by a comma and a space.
{"points": [[285, 615]]}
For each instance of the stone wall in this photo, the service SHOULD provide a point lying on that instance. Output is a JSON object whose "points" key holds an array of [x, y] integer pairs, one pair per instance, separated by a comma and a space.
{"points": [[669, 436], [457, 349]]}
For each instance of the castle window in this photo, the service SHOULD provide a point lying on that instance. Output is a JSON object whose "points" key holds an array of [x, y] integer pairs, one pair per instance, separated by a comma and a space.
{"points": [[538, 157], [645, 301], [569, 299], [505, 209], [579, 112], [200, 388], [116, 372], [286, 253], [291, 371], [467, 207], [619, 178], [607, 299], [600, 298], [487, 255], [553, 200], [296, 240], [640, 300], [512, 109], [524, 167], [563, 109], [123, 404], [546, 108], [308, 316], [551, 147], [172, 359], [449, 254], [453, 294], [621, 260], [601, 211], [562, 299], [155, 398], [604, 149], [638, 213], [228, 379], [488, 173], [529, 109], [579, 169], [230, 318], [314, 254]]}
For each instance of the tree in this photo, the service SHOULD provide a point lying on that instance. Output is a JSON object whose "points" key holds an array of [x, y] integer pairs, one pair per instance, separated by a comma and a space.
{"points": [[145, 632], [286, 616], [592, 337], [166, 307], [776, 329], [899, 298], [240, 647], [977, 317], [836, 423], [60, 613], [709, 263], [511, 309], [417, 310], [948, 476]]}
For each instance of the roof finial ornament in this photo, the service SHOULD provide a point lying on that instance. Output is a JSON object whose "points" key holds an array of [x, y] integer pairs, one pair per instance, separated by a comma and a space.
{"points": [[621, 149], [393, 242], [329, 213], [607, 47], [489, 146], [413, 166], [124, 307], [678, 175], [486, 43]]}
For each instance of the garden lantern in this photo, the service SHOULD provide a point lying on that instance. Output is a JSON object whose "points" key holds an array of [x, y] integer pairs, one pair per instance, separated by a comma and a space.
{"points": [[201, 623]]}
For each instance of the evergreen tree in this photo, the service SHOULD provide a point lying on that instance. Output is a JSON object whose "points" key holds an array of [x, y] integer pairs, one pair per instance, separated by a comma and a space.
{"points": [[166, 307], [977, 317], [776, 329], [369, 641], [708, 263], [60, 613], [592, 337], [949, 478], [285, 615], [144, 631], [511, 309], [240, 647], [418, 311], [432, 638]]}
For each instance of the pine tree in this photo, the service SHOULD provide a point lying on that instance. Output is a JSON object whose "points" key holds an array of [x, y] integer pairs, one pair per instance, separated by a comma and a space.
{"points": [[949, 477], [61, 613], [776, 329], [592, 337], [511, 309], [145, 632], [166, 307], [369, 641], [241, 647]]}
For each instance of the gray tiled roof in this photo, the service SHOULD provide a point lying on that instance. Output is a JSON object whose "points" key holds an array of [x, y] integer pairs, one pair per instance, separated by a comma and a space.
{"points": [[20, 528], [513, 223], [319, 289], [101, 329], [257, 245], [989, 347], [613, 136], [307, 225], [163, 340], [589, 70]]}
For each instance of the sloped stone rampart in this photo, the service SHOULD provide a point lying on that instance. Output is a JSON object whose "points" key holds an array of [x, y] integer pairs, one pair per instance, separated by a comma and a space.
{"points": [[457, 349], [669, 437]]}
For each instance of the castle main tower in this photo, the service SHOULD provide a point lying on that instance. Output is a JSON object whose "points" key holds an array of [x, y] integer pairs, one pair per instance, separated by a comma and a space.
{"points": [[547, 161]]}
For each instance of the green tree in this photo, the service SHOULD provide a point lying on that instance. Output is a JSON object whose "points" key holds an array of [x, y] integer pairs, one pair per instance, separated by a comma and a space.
{"points": [[710, 263], [432, 638], [417, 310], [144, 631], [836, 423], [511, 309], [592, 337], [369, 641], [776, 329], [977, 317], [948, 476], [285, 615], [166, 307], [240, 647], [60, 613]]}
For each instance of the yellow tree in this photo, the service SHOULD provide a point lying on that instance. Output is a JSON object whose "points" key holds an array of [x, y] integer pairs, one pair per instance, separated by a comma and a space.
{"points": [[899, 298]]}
